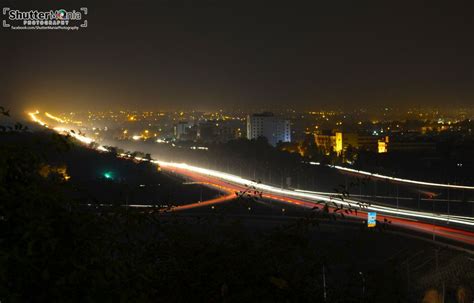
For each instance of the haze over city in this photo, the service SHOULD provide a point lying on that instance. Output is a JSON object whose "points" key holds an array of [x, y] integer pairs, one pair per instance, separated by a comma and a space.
{"points": [[166, 55]]}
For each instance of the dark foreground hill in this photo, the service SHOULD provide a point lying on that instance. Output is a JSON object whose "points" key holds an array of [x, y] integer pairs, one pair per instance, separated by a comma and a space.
{"points": [[94, 177], [53, 249]]}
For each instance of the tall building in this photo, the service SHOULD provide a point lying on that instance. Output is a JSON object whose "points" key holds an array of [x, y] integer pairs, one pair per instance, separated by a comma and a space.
{"points": [[207, 131], [181, 129], [218, 131], [269, 126]]}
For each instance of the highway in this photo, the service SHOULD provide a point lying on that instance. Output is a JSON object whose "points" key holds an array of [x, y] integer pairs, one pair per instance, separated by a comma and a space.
{"points": [[460, 228], [420, 221]]}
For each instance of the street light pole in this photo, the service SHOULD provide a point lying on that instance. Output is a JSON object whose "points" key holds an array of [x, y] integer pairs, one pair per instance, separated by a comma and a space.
{"points": [[449, 198], [324, 283], [419, 197], [397, 198], [433, 222], [363, 285]]}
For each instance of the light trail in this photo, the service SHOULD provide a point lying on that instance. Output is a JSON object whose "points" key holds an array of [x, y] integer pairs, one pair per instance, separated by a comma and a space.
{"points": [[88, 141], [102, 149], [320, 198], [231, 182], [57, 119], [201, 204], [456, 234], [385, 197], [63, 130], [367, 196], [400, 180], [78, 137], [36, 119]]}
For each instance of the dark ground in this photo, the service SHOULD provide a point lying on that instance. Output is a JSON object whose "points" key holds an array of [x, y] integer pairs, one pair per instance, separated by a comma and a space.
{"points": [[54, 249]]}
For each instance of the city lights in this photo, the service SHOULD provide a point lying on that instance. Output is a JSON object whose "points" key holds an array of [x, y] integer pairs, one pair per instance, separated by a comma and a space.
{"points": [[236, 151]]}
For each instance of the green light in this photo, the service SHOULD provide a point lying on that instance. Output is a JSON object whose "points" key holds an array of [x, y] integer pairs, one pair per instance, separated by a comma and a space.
{"points": [[108, 175]]}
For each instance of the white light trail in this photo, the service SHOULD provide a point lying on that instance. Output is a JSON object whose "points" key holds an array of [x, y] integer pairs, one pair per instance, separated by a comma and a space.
{"points": [[136, 137], [63, 130], [308, 196], [101, 148], [35, 119], [81, 138], [54, 118], [401, 180], [382, 197], [320, 198]]}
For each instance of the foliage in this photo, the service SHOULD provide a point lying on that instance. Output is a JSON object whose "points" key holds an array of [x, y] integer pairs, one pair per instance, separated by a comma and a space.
{"points": [[55, 249]]}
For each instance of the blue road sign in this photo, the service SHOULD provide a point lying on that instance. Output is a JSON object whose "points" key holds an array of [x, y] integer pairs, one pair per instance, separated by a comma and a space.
{"points": [[371, 219]]}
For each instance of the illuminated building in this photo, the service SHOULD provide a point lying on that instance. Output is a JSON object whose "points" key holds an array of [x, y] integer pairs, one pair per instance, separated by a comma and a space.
{"points": [[360, 141], [339, 143], [335, 141], [326, 141], [382, 145], [266, 125]]}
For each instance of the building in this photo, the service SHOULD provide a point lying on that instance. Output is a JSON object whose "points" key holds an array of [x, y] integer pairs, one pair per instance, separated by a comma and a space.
{"points": [[212, 131], [267, 125], [181, 129], [336, 141], [360, 141], [207, 131], [382, 146], [330, 141]]}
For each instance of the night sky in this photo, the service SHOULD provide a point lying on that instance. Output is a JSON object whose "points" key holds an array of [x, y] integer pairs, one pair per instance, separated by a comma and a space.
{"points": [[166, 55]]}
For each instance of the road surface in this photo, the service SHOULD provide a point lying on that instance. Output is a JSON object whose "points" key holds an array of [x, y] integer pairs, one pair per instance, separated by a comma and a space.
{"points": [[414, 220], [461, 229]]}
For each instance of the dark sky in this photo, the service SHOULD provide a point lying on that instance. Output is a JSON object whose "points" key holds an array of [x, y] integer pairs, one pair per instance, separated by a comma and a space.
{"points": [[160, 55]]}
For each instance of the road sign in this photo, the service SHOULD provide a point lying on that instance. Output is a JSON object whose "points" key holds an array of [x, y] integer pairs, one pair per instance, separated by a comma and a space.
{"points": [[371, 219]]}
